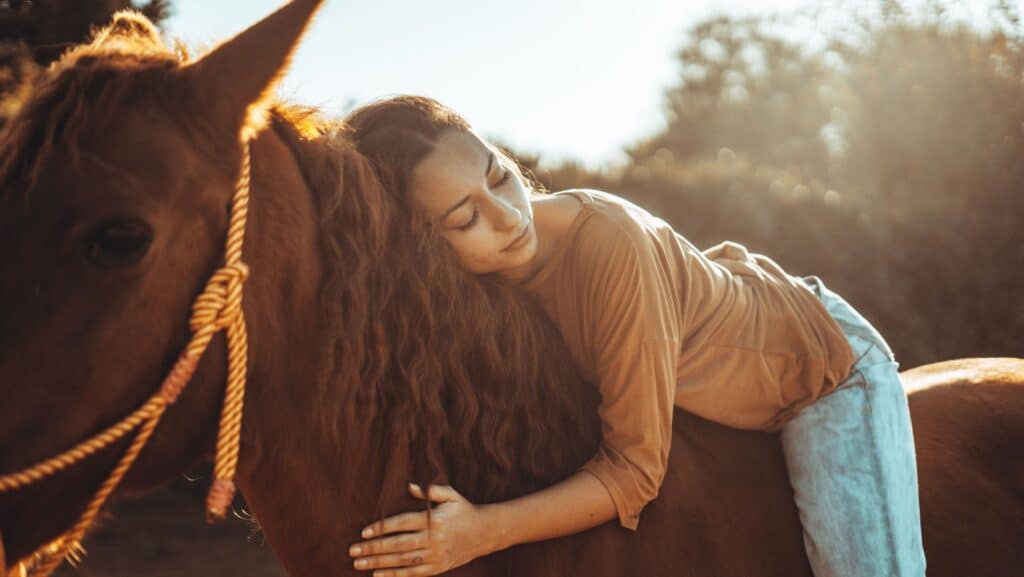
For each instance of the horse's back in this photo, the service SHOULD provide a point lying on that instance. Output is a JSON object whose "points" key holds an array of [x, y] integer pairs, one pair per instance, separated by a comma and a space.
{"points": [[968, 418], [996, 372], [972, 409]]}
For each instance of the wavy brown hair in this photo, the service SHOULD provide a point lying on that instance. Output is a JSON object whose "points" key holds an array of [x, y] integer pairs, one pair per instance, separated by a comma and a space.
{"points": [[397, 133], [505, 402]]}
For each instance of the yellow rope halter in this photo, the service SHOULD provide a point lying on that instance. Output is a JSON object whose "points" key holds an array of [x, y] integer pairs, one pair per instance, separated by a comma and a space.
{"points": [[218, 307]]}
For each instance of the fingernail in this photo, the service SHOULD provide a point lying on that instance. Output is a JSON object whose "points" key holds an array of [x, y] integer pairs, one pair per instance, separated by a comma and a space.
{"points": [[355, 550], [361, 564], [367, 533]]}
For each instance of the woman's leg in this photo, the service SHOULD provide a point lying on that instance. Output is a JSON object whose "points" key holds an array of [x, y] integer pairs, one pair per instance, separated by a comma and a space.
{"points": [[852, 465]]}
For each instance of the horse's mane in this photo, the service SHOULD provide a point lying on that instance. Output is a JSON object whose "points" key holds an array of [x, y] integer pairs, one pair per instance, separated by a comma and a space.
{"points": [[467, 370]]}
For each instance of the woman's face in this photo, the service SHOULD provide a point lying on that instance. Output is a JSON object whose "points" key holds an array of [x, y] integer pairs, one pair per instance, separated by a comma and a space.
{"points": [[480, 204]]}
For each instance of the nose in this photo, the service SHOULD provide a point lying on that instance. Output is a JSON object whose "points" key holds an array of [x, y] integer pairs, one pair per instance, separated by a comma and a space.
{"points": [[506, 216]]}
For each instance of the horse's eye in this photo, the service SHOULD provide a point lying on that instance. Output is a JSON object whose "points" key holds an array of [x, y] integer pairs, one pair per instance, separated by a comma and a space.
{"points": [[118, 243]]}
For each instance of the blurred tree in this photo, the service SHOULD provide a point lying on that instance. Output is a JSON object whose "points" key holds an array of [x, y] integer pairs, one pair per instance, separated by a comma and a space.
{"points": [[935, 139], [886, 159], [745, 89], [48, 27]]}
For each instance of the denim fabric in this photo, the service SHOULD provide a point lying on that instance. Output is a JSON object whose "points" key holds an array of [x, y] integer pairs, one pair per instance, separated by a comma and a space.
{"points": [[852, 465]]}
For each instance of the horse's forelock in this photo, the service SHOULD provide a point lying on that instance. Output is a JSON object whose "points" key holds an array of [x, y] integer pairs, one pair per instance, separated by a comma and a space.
{"points": [[132, 29], [87, 84]]}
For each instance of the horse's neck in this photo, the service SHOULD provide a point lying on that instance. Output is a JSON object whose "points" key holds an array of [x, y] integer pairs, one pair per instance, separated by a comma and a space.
{"points": [[310, 484], [311, 499]]}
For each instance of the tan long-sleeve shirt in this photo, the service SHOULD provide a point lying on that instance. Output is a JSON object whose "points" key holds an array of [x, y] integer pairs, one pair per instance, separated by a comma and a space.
{"points": [[657, 324]]}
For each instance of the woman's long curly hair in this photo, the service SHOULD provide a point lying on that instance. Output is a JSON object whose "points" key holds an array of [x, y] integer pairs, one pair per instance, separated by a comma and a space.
{"points": [[484, 365]]}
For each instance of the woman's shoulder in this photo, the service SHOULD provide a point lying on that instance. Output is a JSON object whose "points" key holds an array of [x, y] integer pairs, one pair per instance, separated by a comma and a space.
{"points": [[613, 220], [612, 237]]}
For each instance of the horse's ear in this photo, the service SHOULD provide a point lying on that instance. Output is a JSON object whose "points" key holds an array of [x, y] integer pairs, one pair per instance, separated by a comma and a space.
{"points": [[232, 83]]}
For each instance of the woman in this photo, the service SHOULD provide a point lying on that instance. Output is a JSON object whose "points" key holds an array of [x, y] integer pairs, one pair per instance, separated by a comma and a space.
{"points": [[656, 324]]}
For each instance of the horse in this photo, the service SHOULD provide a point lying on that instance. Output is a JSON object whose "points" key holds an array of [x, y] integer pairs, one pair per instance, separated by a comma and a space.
{"points": [[373, 360]]}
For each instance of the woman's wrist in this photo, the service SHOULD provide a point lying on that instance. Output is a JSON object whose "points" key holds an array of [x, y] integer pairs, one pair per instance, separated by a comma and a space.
{"points": [[570, 506], [498, 528]]}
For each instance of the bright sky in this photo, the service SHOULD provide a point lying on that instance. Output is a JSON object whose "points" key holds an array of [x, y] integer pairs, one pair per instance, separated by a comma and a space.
{"points": [[565, 78]]}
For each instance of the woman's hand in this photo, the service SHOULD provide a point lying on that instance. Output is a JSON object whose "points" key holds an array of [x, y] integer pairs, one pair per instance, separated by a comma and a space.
{"points": [[402, 545], [461, 531]]}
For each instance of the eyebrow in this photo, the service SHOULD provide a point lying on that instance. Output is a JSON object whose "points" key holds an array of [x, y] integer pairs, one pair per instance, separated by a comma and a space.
{"points": [[463, 200]]}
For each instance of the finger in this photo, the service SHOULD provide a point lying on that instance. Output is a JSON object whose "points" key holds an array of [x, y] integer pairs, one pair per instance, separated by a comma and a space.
{"points": [[396, 560], [413, 521], [442, 493], [397, 544], [416, 491]]}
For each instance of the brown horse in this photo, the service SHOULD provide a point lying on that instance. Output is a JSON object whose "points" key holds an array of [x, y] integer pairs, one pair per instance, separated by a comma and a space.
{"points": [[374, 360]]}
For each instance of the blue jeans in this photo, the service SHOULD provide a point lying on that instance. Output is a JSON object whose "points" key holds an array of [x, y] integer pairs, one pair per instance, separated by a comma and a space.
{"points": [[851, 462]]}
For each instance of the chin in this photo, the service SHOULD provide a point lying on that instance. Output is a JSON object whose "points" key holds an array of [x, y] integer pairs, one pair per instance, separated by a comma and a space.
{"points": [[525, 258]]}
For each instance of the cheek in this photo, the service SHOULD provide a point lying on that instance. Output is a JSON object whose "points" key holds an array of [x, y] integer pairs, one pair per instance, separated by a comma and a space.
{"points": [[476, 252]]}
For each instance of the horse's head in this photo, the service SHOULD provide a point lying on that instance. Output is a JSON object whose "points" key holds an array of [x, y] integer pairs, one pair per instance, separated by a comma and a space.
{"points": [[116, 177]]}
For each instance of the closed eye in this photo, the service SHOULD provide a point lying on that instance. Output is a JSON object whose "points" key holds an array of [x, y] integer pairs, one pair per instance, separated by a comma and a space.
{"points": [[472, 220], [505, 177]]}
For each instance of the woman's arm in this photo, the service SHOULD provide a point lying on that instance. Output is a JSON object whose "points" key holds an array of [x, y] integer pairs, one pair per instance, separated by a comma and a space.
{"points": [[460, 531], [573, 505]]}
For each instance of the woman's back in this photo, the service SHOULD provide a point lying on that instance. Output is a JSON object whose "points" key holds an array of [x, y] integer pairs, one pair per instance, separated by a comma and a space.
{"points": [[753, 344]]}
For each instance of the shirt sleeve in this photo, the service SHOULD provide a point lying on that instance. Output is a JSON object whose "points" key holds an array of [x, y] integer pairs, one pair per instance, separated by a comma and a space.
{"points": [[634, 346]]}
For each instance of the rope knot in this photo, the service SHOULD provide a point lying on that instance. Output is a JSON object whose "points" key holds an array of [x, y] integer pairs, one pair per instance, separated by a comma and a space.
{"points": [[221, 300]]}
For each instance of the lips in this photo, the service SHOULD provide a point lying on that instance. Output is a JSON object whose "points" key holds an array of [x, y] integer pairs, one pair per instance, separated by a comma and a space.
{"points": [[518, 241]]}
